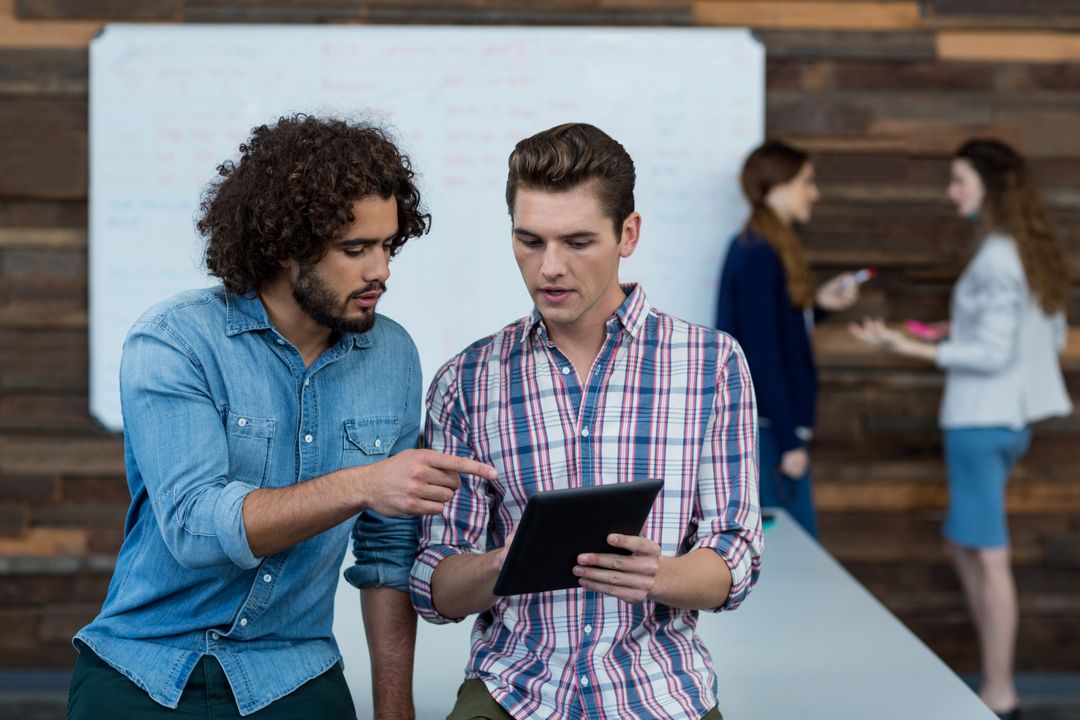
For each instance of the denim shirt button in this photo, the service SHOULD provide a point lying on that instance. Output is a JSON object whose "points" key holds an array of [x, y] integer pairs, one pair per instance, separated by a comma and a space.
{"points": [[378, 442], [309, 438], [267, 577], [214, 636], [242, 422], [243, 622]]}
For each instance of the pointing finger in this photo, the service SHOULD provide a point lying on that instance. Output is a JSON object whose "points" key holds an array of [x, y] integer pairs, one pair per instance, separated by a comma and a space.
{"points": [[463, 465]]}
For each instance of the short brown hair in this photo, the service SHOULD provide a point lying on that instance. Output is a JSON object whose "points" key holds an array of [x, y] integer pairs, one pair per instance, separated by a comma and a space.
{"points": [[568, 155], [291, 192]]}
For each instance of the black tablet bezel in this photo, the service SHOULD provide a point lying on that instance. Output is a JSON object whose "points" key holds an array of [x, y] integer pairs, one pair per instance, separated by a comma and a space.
{"points": [[558, 525]]}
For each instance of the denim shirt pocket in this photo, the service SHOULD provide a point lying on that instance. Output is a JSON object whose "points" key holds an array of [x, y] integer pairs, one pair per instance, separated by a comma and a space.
{"points": [[369, 440], [249, 447]]}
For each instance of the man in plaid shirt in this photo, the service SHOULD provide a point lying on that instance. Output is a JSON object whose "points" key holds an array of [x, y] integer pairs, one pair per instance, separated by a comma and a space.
{"points": [[594, 387]]}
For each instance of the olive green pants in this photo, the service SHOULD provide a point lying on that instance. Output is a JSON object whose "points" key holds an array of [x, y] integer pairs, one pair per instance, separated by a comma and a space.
{"points": [[474, 702]]}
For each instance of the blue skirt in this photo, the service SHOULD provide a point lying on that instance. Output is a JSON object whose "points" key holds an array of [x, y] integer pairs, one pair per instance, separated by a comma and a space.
{"points": [[979, 460]]}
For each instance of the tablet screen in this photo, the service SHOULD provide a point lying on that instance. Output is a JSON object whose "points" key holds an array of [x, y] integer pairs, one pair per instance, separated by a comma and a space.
{"points": [[559, 525]]}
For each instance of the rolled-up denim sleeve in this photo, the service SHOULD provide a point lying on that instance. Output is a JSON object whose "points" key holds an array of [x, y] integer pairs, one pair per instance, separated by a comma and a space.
{"points": [[384, 548], [175, 435]]}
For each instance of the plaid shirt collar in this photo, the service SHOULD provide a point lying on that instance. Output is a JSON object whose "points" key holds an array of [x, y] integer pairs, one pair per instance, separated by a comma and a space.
{"points": [[630, 316]]}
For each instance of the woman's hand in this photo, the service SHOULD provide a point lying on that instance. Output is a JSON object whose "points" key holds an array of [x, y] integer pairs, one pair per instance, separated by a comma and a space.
{"points": [[873, 331], [795, 463], [840, 293]]}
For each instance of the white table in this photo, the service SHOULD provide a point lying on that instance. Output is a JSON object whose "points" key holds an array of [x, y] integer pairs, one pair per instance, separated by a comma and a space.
{"points": [[809, 642]]}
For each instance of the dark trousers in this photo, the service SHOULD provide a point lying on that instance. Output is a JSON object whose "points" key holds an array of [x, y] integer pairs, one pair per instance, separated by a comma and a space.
{"points": [[474, 702], [98, 692]]}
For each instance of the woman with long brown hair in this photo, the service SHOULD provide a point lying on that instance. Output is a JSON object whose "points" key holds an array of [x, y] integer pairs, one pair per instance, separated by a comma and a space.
{"points": [[1007, 328], [768, 302]]}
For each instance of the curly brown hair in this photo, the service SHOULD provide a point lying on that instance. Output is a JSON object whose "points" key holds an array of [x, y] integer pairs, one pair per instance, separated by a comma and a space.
{"points": [[291, 192], [1012, 206]]}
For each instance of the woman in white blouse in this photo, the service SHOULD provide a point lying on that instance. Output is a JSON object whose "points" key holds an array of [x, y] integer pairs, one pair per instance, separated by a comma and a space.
{"points": [[1006, 330]]}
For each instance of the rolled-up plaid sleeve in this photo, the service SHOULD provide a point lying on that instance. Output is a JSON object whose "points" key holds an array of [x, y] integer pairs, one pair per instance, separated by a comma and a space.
{"points": [[727, 488], [462, 525]]}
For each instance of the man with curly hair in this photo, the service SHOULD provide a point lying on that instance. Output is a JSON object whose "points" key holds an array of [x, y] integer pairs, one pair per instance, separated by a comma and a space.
{"points": [[265, 420]]}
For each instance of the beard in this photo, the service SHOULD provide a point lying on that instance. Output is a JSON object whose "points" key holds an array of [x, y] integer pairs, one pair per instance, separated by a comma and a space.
{"points": [[322, 305]]}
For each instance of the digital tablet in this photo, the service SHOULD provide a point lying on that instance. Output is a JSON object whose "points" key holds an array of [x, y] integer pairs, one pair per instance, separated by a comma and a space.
{"points": [[559, 525]]}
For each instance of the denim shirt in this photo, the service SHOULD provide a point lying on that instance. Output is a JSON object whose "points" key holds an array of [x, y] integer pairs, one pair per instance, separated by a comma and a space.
{"points": [[216, 404]]}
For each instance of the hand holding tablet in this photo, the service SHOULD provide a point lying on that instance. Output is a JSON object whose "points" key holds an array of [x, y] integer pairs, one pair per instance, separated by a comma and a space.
{"points": [[629, 579]]}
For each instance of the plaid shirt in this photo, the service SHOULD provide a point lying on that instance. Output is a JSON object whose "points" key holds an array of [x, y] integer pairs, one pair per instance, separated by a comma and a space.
{"points": [[664, 399]]}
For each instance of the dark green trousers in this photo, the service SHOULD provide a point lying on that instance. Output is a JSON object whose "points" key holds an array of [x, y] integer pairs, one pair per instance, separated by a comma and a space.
{"points": [[474, 702], [98, 692]]}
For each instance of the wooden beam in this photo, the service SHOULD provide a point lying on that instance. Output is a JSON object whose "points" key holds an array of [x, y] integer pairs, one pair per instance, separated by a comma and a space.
{"points": [[15, 33], [834, 497], [29, 160], [802, 14], [46, 541], [470, 12], [30, 213], [97, 9], [877, 75], [42, 318], [92, 456], [820, 44], [1042, 124], [1002, 8], [52, 238], [1001, 14], [49, 71], [876, 496], [274, 11], [1009, 46]]}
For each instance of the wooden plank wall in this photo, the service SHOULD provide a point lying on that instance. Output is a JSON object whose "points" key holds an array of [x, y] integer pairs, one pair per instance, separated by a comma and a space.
{"points": [[880, 91]]}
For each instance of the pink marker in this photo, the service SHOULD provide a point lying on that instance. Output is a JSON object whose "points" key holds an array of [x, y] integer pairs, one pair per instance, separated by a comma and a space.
{"points": [[859, 276], [925, 331]]}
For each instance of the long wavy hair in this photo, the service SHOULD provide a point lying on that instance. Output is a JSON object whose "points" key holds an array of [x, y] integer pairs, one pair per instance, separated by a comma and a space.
{"points": [[775, 163], [1012, 206]]}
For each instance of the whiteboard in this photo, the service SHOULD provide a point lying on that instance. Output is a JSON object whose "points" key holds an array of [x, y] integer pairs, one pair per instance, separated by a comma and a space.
{"points": [[170, 102]]}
